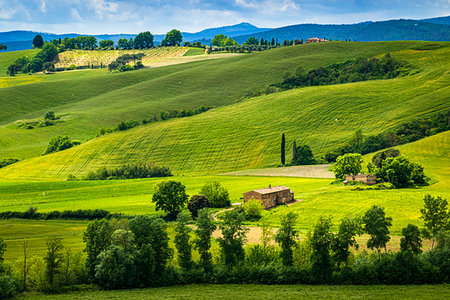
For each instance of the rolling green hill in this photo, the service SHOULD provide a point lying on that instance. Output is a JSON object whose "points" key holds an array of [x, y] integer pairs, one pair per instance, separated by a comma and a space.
{"points": [[7, 58], [96, 98], [247, 134]]}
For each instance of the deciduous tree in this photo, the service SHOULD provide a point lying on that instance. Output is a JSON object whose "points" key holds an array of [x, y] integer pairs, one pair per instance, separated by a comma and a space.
{"points": [[170, 197], [376, 224], [233, 238], [286, 237], [435, 215], [205, 228], [411, 241]]}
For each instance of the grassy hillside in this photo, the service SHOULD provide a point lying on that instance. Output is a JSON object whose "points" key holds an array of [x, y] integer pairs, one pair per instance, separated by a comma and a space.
{"points": [[103, 99], [247, 134], [7, 58]]}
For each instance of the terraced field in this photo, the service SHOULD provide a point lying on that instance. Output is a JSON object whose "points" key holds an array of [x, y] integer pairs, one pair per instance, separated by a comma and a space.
{"points": [[246, 135]]}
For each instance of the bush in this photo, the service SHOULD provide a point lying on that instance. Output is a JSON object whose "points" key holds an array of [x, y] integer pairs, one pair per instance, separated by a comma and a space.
{"points": [[253, 209], [401, 172], [380, 157], [129, 171], [216, 194], [8, 286], [303, 156], [196, 203], [60, 143], [7, 162], [49, 66]]}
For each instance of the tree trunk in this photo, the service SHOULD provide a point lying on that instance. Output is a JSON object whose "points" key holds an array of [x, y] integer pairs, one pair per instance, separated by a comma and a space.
{"points": [[432, 242]]}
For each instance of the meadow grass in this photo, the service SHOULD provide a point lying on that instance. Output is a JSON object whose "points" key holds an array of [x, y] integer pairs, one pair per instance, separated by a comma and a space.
{"points": [[7, 58], [246, 135], [250, 291], [318, 196], [103, 99]]}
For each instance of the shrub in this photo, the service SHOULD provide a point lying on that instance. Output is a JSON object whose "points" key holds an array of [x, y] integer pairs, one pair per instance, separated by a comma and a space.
{"points": [[59, 143], [303, 156], [196, 203], [216, 194], [7, 162], [8, 286], [401, 172], [253, 209], [129, 171], [380, 157]]}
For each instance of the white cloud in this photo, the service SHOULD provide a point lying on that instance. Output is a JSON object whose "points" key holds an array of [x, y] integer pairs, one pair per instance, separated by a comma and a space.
{"points": [[43, 6]]}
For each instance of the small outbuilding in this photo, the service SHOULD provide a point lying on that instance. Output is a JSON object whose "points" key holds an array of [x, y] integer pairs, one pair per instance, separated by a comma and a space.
{"points": [[366, 178], [271, 196]]}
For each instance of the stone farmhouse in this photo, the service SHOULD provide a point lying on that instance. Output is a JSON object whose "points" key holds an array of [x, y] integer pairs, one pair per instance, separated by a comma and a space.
{"points": [[315, 40], [366, 178], [271, 196]]}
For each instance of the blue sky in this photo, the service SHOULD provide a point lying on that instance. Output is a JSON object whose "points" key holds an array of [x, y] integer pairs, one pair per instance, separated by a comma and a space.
{"points": [[159, 16]]}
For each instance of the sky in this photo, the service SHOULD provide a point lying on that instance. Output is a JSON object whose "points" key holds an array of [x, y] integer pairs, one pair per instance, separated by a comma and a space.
{"points": [[158, 16]]}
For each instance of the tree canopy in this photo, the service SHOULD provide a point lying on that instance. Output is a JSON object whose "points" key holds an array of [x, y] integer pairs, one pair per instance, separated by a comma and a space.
{"points": [[172, 38], [144, 40], [170, 197], [38, 41]]}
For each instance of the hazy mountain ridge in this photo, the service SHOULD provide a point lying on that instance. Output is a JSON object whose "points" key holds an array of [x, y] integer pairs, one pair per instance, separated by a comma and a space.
{"points": [[433, 29]]}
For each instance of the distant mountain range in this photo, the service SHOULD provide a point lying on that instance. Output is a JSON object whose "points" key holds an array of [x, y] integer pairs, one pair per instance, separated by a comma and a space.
{"points": [[434, 29], [393, 30]]}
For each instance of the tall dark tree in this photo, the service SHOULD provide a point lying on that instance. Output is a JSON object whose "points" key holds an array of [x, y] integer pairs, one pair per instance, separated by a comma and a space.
{"points": [[294, 151], [283, 150], [38, 41], [205, 228]]}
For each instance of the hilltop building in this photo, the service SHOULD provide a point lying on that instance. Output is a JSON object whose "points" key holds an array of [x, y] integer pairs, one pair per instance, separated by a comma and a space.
{"points": [[271, 196], [315, 40], [366, 178]]}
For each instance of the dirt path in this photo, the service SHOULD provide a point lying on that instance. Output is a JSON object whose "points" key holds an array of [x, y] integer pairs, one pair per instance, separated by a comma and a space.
{"points": [[312, 171]]}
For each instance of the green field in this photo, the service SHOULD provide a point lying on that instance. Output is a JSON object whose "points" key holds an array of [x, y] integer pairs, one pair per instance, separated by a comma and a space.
{"points": [[239, 136], [246, 291], [235, 136], [102, 99], [318, 196]]}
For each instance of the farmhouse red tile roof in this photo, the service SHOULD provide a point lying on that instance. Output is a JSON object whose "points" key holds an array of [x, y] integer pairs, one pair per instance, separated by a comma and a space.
{"points": [[271, 189]]}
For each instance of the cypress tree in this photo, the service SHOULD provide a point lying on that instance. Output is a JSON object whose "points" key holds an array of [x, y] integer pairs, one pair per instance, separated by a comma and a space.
{"points": [[294, 150], [283, 144]]}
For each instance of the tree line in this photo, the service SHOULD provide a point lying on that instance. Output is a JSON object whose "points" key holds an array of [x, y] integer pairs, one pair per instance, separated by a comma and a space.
{"points": [[128, 171], [406, 132], [137, 253]]}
